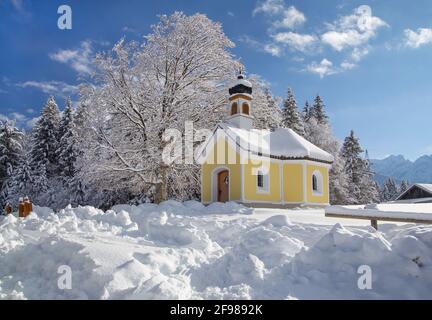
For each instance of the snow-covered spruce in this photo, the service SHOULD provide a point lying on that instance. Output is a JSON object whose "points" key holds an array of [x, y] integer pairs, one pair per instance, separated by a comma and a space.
{"points": [[290, 116]]}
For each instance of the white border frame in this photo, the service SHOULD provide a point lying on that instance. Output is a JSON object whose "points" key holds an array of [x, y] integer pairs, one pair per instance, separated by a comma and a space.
{"points": [[266, 183]]}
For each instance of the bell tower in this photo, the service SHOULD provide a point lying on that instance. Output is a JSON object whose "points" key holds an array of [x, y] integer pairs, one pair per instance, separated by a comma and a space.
{"points": [[240, 101]]}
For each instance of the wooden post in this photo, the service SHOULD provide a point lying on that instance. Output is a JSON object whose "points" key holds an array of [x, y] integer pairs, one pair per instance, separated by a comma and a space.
{"points": [[21, 210], [28, 207], [374, 223], [8, 209]]}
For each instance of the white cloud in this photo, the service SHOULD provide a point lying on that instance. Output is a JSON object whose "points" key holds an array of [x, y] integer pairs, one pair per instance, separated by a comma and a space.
{"points": [[4, 117], [324, 68], [341, 40], [281, 16], [270, 7], [131, 30], [58, 88], [230, 13], [298, 59], [296, 41], [271, 48], [353, 30], [79, 59], [415, 39], [349, 35], [19, 119], [291, 19], [31, 122], [346, 65], [6, 82], [358, 53], [287, 17], [17, 116]]}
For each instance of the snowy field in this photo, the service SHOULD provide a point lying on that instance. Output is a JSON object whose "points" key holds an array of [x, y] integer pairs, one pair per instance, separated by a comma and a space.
{"points": [[223, 251]]}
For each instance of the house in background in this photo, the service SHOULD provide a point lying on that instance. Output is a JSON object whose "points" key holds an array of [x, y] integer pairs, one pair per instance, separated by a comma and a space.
{"points": [[255, 167], [417, 193]]}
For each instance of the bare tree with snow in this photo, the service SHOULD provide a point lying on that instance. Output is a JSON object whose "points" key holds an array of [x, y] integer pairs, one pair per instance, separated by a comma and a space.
{"points": [[178, 74]]}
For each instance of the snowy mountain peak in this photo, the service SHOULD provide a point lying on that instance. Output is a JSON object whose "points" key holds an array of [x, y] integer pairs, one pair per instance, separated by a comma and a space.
{"points": [[400, 168]]}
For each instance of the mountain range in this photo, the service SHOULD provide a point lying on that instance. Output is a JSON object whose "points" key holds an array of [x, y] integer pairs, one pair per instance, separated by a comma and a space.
{"points": [[399, 168]]}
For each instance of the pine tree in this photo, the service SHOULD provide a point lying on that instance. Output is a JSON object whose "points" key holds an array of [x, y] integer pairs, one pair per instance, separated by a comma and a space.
{"points": [[368, 186], [40, 180], [21, 181], [79, 193], [320, 134], [317, 110], [11, 146], [66, 148], [307, 112], [361, 184], [351, 152], [403, 186], [45, 138], [290, 115], [338, 182], [389, 192]]}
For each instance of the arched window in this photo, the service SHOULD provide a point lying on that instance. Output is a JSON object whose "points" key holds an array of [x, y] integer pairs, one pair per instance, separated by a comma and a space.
{"points": [[314, 183], [245, 108], [260, 180], [317, 182], [234, 108]]}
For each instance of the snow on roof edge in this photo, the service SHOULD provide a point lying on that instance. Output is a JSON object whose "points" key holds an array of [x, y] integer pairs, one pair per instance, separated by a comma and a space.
{"points": [[424, 186], [310, 151]]}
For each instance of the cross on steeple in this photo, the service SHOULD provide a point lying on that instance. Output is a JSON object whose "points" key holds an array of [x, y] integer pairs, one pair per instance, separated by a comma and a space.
{"points": [[240, 73]]}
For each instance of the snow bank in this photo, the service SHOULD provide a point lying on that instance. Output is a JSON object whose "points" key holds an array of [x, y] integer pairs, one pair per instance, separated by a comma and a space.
{"points": [[188, 208], [185, 251], [401, 267]]}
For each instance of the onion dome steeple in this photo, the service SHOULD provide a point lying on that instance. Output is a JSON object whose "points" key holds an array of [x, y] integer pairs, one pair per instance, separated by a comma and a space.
{"points": [[241, 85], [240, 101]]}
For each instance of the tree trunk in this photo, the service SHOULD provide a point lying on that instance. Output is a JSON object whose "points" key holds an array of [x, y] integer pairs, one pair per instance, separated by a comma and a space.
{"points": [[162, 187]]}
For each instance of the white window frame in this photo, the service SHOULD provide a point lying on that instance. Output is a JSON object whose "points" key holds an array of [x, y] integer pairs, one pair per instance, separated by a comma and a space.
{"points": [[265, 188]]}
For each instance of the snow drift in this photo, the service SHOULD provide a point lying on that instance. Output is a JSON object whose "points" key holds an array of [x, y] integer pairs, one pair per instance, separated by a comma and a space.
{"points": [[223, 251]]}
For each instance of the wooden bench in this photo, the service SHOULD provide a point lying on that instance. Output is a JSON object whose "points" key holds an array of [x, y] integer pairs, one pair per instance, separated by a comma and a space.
{"points": [[375, 215]]}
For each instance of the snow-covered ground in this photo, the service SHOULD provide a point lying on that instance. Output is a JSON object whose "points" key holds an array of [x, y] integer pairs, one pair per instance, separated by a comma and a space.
{"points": [[223, 251]]}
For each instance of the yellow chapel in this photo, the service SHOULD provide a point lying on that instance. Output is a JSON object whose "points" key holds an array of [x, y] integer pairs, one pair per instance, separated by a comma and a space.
{"points": [[260, 168]]}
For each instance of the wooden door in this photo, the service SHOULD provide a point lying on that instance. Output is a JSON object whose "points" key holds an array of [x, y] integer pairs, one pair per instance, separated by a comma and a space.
{"points": [[223, 186]]}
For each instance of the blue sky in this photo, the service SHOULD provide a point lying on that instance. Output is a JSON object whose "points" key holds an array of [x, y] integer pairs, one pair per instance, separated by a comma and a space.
{"points": [[369, 60]]}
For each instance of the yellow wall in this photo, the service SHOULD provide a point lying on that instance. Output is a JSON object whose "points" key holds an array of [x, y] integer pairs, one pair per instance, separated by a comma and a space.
{"points": [[324, 198], [218, 159], [293, 182], [250, 182]]}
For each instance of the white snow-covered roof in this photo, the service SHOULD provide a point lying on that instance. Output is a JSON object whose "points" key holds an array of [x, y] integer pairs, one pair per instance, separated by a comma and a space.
{"points": [[280, 143], [241, 81], [425, 186]]}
